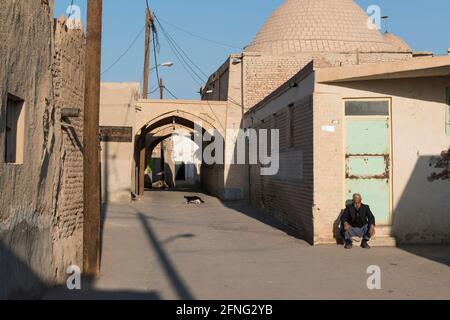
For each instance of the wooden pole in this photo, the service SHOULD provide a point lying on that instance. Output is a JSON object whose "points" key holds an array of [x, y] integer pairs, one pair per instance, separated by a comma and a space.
{"points": [[148, 19], [141, 141], [161, 89], [142, 163], [91, 159]]}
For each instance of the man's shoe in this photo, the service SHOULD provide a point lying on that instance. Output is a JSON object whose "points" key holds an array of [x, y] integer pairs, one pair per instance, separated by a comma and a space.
{"points": [[348, 245], [365, 245]]}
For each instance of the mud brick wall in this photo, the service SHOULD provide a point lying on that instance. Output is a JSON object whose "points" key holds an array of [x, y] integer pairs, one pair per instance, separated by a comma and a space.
{"points": [[40, 206], [68, 77]]}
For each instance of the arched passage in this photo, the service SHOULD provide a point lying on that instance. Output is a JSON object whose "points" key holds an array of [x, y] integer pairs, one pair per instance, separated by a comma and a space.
{"points": [[171, 154], [160, 129]]}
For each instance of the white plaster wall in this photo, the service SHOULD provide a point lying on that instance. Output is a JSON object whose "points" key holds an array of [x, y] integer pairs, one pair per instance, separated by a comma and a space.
{"points": [[185, 151]]}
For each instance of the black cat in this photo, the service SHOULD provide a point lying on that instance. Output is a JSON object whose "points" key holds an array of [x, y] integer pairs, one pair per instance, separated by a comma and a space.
{"points": [[194, 200]]}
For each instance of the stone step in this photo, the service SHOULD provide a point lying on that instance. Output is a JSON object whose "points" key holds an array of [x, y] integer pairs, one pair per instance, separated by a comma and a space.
{"points": [[384, 231], [383, 241], [384, 237], [378, 241]]}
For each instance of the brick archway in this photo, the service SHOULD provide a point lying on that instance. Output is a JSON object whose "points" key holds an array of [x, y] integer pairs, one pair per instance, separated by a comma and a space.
{"points": [[160, 128]]}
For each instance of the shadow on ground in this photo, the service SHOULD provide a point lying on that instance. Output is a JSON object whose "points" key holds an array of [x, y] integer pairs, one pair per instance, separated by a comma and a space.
{"points": [[88, 292], [244, 208], [430, 252], [172, 274]]}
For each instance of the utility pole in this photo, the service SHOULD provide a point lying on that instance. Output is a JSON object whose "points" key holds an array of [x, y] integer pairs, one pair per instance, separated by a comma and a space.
{"points": [[163, 160], [142, 138], [91, 158], [161, 89], [148, 21]]}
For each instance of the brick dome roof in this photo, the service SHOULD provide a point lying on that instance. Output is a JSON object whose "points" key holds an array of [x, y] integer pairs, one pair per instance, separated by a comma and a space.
{"points": [[397, 42], [301, 26]]}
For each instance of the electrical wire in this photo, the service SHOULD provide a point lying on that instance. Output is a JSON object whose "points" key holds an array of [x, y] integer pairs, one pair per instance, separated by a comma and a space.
{"points": [[155, 41], [154, 90], [192, 74], [200, 37], [155, 56], [180, 48], [184, 63], [125, 52], [71, 6], [170, 92]]}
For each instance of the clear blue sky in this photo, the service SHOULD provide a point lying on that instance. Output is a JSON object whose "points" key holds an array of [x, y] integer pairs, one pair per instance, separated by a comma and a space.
{"points": [[425, 25]]}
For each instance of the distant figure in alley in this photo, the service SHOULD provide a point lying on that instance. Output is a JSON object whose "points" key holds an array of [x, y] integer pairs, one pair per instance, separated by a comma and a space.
{"points": [[357, 221]]}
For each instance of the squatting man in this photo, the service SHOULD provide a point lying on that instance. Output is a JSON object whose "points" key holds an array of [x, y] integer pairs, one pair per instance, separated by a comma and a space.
{"points": [[357, 221]]}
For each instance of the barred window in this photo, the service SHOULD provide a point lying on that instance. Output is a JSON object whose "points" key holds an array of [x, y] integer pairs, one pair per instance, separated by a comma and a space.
{"points": [[367, 108]]}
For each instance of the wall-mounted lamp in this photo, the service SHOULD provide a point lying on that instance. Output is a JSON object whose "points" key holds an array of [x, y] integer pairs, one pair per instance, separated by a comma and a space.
{"points": [[235, 61], [70, 112]]}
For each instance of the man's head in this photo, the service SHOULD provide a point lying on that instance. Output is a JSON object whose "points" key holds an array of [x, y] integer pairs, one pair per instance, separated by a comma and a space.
{"points": [[357, 200]]}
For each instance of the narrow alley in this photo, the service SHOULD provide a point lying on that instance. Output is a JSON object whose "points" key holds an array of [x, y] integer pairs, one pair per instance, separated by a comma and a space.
{"points": [[162, 248]]}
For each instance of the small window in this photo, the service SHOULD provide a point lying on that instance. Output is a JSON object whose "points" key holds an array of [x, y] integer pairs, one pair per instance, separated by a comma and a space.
{"points": [[447, 112], [15, 130], [367, 108], [291, 127]]}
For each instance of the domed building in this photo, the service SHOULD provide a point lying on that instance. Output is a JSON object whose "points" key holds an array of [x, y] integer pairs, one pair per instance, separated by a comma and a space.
{"points": [[336, 32], [320, 26], [356, 112]]}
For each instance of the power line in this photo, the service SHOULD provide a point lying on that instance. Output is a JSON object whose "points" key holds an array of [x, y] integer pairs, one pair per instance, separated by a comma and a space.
{"points": [[125, 52], [155, 41], [154, 90], [71, 6], [181, 49], [173, 96], [184, 63], [201, 37], [154, 53], [182, 57]]}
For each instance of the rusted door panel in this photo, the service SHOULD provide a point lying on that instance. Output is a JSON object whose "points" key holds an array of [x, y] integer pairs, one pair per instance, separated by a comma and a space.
{"points": [[367, 137], [367, 166], [368, 163]]}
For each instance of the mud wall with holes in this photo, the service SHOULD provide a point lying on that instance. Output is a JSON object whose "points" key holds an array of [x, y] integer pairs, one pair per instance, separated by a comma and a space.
{"points": [[42, 63]]}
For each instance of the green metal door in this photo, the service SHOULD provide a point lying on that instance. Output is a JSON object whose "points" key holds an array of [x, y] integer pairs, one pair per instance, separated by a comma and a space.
{"points": [[368, 162]]}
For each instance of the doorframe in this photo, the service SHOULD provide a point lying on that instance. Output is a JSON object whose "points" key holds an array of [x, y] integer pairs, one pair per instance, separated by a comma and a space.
{"points": [[390, 140]]}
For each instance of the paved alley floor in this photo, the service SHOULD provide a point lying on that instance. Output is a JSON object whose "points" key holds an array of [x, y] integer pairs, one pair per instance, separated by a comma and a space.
{"points": [[161, 248]]}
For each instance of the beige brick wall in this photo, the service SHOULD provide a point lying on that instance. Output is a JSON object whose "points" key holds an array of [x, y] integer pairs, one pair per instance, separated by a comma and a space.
{"points": [[328, 166], [40, 232], [289, 199], [265, 73]]}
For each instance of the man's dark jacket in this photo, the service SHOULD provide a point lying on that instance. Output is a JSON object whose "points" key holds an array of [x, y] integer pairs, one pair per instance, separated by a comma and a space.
{"points": [[358, 218]]}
